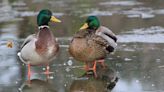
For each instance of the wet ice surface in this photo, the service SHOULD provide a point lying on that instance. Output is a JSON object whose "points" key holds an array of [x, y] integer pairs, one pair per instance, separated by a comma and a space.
{"points": [[9, 67], [137, 60], [99, 13], [133, 12], [154, 34], [32, 13], [142, 12], [121, 3]]}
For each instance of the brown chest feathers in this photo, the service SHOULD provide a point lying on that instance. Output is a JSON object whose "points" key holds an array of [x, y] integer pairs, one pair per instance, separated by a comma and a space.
{"points": [[45, 41]]}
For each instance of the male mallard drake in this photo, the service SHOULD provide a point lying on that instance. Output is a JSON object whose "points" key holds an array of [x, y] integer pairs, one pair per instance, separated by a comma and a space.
{"points": [[93, 42], [40, 48]]}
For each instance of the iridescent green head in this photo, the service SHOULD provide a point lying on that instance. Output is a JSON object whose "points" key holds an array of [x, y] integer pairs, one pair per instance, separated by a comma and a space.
{"points": [[45, 16], [92, 22]]}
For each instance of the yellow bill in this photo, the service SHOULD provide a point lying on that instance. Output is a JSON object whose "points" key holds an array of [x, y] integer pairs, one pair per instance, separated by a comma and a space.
{"points": [[54, 19], [85, 26]]}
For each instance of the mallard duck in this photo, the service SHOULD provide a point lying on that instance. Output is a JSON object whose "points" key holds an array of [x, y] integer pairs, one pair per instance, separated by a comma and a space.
{"points": [[92, 43], [40, 48]]}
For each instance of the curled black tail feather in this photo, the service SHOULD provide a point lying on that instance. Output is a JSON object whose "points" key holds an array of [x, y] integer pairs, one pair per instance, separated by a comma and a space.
{"points": [[110, 48]]}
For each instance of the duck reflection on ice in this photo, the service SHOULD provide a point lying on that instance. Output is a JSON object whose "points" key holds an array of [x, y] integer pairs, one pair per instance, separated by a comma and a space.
{"points": [[37, 85], [105, 81]]}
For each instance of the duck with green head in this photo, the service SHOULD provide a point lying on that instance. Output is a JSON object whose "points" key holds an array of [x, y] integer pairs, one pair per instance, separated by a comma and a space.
{"points": [[40, 48], [92, 43]]}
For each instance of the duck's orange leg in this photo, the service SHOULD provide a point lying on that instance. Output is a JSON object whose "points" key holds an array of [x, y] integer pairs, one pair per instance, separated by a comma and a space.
{"points": [[29, 73], [47, 72], [94, 68]]}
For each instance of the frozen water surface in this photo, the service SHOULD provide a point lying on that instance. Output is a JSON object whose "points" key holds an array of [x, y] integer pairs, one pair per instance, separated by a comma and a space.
{"points": [[121, 3], [138, 59], [154, 34]]}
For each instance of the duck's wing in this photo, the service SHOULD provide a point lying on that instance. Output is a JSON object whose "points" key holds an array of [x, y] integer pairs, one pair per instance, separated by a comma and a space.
{"points": [[109, 36], [99, 40], [107, 32], [28, 39]]}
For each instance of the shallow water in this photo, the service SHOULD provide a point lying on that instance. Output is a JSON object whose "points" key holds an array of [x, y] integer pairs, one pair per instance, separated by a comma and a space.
{"points": [[138, 60]]}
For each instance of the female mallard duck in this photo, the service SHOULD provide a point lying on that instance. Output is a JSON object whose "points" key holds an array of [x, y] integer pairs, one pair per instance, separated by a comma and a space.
{"points": [[40, 48], [92, 43]]}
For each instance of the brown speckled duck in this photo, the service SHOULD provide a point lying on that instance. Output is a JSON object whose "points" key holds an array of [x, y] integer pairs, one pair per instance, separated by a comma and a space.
{"points": [[92, 43], [40, 48]]}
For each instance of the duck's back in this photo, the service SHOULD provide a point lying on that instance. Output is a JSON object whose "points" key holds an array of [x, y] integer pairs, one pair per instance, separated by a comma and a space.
{"points": [[85, 46]]}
